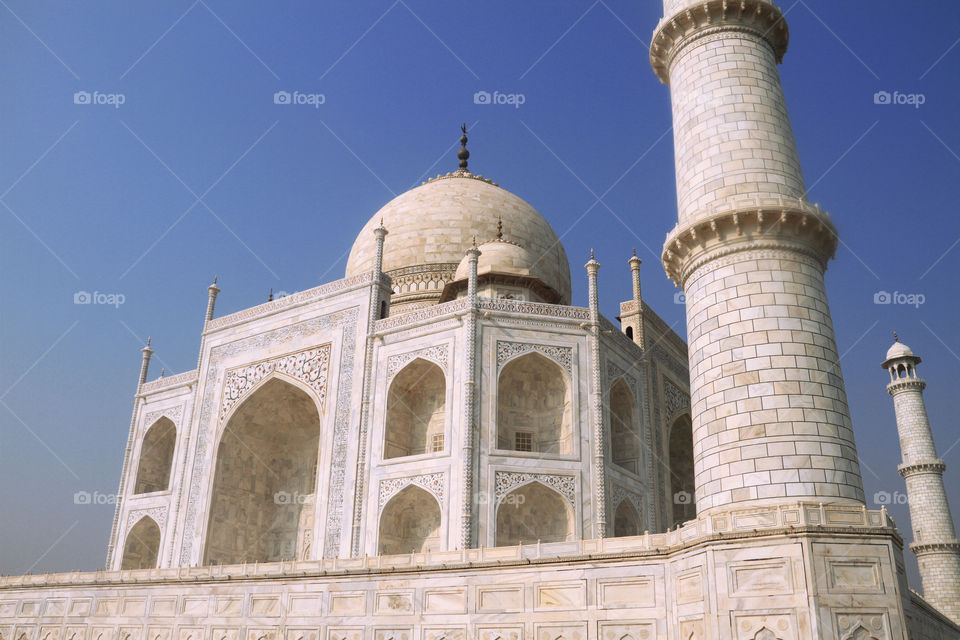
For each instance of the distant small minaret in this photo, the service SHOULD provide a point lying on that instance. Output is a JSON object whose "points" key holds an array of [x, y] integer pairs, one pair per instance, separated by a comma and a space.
{"points": [[934, 535]]}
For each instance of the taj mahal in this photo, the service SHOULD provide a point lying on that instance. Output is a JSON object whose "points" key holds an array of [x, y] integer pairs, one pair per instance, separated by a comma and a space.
{"points": [[438, 446]]}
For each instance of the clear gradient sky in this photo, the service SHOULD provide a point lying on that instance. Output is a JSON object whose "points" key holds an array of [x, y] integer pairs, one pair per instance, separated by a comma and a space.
{"points": [[198, 172]]}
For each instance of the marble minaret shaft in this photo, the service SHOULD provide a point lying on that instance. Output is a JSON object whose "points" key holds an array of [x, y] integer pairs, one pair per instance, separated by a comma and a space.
{"points": [[770, 416], [934, 535]]}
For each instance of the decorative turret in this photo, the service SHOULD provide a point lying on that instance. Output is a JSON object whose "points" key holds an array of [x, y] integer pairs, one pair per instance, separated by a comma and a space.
{"points": [[769, 409], [145, 363], [934, 535], [631, 312], [212, 292]]}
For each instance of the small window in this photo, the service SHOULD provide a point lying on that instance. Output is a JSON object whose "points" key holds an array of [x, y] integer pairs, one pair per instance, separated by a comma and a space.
{"points": [[436, 443], [630, 332], [523, 441]]}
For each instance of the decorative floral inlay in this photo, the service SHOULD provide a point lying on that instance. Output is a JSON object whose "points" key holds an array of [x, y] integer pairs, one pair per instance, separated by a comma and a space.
{"points": [[508, 480], [432, 482], [674, 398], [173, 413], [581, 314], [619, 494], [309, 366], [561, 355], [614, 372], [436, 354], [158, 514]]}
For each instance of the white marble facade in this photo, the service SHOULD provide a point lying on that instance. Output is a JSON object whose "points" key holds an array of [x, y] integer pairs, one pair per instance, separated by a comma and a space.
{"points": [[315, 342]]}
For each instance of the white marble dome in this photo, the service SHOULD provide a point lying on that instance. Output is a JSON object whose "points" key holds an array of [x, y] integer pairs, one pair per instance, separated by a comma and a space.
{"points": [[899, 350], [435, 223]]}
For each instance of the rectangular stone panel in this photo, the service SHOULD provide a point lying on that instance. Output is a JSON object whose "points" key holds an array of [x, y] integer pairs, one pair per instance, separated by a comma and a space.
{"points": [[444, 633], [760, 577], [513, 632], [306, 604], [50, 632], [103, 633], [266, 605], [107, 607], [502, 598], [195, 606], [560, 595], [55, 607], [29, 608], [782, 625], [263, 633], [25, 632], [80, 607], [551, 631], [690, 587], [854, 576], [345, 633], [394, 603], [228, 606], [159, 633], [130, 633], [619, 594], [445, 601], [133, 607], [75, 632], [225, 633], [163, 607], [302, 633], [393, 633], [190, 633], [8, 608], [617, 630], [347, 603]]}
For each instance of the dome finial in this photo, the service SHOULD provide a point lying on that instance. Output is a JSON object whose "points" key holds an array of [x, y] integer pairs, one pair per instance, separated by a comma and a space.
{"points": [[499, 227], [463, 155], [270, 297], [896, 338]]}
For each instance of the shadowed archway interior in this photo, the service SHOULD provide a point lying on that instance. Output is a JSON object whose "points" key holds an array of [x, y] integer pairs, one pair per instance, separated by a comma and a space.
{"points": [[416, 408], [681, 470], [410, 523], [533, 512], [142, 548], [263, 501], [156, 457], [533, 407]]}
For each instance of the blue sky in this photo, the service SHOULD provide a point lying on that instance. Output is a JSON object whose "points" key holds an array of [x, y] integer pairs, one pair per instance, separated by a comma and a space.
{"points": [[198, 172]]}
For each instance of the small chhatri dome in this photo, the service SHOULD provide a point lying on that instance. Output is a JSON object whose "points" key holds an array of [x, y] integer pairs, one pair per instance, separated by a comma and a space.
{"points": [[507, 262], [899, 350]]}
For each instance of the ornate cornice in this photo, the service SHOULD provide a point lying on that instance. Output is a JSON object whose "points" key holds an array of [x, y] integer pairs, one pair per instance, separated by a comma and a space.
{"points": [[168, 382], [937, 466], [906, 384], [758, 17], [946, 546], [766, 224]]}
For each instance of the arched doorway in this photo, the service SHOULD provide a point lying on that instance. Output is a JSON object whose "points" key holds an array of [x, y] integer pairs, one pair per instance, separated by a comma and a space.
{"points": [[156, 457], [626, 520], [142, 547], [410, 523], [682, 481], [533, 407], [416, 411], [624, 434], [533, 512], [262, 505]]}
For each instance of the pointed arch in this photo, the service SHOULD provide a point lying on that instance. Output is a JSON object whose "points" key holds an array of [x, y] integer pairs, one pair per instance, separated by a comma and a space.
{"points": [[626, 520], [625, 442], [156, 457], [533, 512], [416, 410], [263, 495], [682, 479], [860, 633], [141, 550], [533, 406], [410, 523]]}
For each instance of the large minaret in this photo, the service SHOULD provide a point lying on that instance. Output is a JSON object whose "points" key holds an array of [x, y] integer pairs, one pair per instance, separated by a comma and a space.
{"points": [[934, 536], [770, 417]]}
